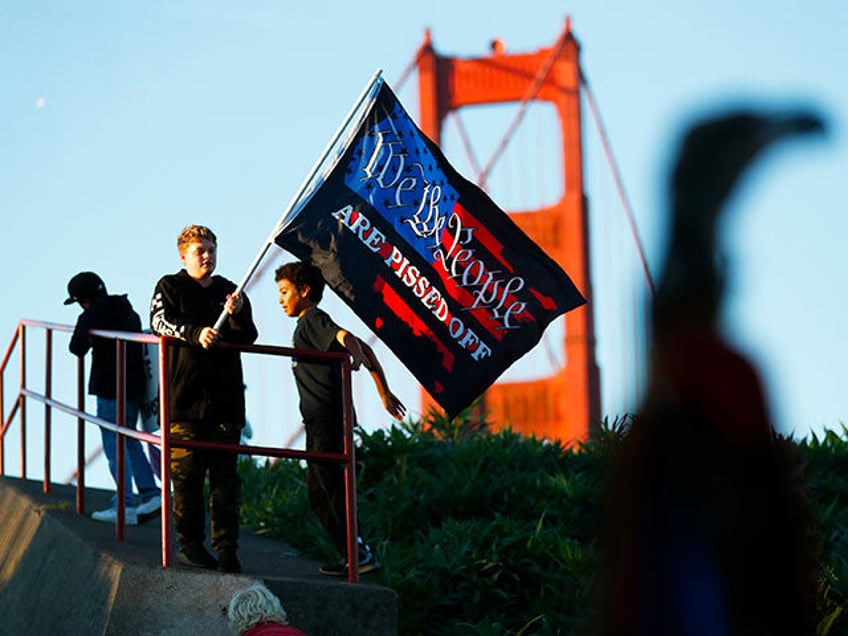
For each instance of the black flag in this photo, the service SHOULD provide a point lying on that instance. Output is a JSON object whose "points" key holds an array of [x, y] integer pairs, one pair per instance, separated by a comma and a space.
{"points": [[425, 258]]}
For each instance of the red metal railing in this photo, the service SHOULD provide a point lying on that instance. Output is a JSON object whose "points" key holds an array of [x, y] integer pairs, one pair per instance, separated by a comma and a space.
{"points": [[164, 440]]}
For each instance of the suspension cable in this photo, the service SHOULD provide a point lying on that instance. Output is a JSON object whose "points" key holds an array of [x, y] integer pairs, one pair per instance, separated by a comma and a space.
{"points": [[531, 93], [409, 67], [88, 461], [622, 194], [466, 142]]}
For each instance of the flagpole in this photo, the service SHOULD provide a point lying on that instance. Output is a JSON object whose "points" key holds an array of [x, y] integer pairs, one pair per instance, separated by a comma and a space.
{"points": [[309, 177]]}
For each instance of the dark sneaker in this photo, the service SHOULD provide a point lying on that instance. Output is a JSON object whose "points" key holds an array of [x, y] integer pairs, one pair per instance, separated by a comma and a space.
{"points": [[196, 557], [228, 562], [334, 569], [367, 560], [149, 509], [367, 563]]}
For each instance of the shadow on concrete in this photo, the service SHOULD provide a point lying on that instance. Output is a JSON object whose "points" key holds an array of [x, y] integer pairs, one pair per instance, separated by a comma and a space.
{"points": [[63, 573]]}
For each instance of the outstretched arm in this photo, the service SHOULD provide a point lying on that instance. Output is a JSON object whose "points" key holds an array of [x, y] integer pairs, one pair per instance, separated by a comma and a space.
{"points": [[364, 355]]}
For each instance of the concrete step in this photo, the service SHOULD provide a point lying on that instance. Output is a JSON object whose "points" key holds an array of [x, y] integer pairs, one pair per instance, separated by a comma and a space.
{"points": [[63, 573]]}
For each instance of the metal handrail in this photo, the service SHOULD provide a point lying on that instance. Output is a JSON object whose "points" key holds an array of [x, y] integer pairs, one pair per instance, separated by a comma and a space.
{"points": [[164, 440]]}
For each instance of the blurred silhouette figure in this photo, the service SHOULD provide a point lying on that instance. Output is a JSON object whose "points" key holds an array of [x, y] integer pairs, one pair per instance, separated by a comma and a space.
{"points": [[706, 526]]}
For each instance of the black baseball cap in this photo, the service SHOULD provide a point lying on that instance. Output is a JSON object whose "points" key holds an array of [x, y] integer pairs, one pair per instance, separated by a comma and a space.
{"points": [[84, 286]]}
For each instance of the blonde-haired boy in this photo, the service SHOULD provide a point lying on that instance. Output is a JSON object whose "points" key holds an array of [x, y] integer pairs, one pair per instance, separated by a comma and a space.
{"points": [[206, 396]]}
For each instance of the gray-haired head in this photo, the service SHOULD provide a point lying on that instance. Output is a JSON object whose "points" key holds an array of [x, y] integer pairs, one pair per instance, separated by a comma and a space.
{"points": [[253, 605]]}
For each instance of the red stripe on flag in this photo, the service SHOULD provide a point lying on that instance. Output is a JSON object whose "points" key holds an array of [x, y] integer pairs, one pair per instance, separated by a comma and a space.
{"points": [[546, 301], [418, 327], [495, 247], [465, 297]]}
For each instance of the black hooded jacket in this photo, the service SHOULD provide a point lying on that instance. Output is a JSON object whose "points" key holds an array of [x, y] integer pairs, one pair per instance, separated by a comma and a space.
{"points": [[109, 313], [204, 384]]}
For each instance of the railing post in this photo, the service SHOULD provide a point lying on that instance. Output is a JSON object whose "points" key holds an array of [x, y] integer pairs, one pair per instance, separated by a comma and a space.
{"points": [[165, 453], [48, 412], [120, 442], [80, 436], [21, 399], [350, 477]]}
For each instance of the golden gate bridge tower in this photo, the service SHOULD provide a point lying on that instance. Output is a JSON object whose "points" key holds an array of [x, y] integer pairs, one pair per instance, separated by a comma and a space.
{"points": [[566, 403]]}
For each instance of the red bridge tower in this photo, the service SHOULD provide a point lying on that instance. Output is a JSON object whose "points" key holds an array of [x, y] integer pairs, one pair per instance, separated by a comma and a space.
{"points": [[563, 405]]}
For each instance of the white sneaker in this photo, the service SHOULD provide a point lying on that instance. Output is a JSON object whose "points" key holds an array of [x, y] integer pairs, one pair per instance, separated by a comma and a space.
{"points": [[110, 515], [149, 507]]}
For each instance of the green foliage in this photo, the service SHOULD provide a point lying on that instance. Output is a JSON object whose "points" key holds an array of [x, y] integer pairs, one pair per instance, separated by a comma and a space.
{"points": [[481, 532], [495, 534], [825, 463]]}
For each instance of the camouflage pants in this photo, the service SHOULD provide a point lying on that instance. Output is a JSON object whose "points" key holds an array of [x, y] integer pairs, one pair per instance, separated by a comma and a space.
{"points": [[189, 468]]}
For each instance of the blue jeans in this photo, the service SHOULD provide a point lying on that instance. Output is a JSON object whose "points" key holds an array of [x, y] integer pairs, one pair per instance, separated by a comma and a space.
{"points": [[136, 467]]}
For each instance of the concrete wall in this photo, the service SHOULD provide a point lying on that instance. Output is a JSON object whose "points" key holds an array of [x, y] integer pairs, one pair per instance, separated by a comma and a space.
{"points": [[57, 578]]}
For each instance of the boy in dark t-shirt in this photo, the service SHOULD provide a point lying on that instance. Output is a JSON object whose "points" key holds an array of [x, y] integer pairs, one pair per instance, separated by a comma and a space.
{"points": [[301, 288]]}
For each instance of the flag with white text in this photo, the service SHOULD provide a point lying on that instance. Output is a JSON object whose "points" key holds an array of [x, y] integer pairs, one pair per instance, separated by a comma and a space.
{"points": [[425, 258]]}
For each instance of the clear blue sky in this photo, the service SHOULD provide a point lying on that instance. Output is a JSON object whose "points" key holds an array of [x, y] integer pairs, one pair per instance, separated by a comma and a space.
{"points": [[123, 121]]}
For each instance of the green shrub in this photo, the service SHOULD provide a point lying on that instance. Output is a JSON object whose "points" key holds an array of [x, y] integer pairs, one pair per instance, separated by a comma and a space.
{"points": [[825, 476], [495, 534]]}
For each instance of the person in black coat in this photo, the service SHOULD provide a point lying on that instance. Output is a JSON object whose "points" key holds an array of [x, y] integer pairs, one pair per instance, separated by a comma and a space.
{"points": [[114, 313], [206, 396]]}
